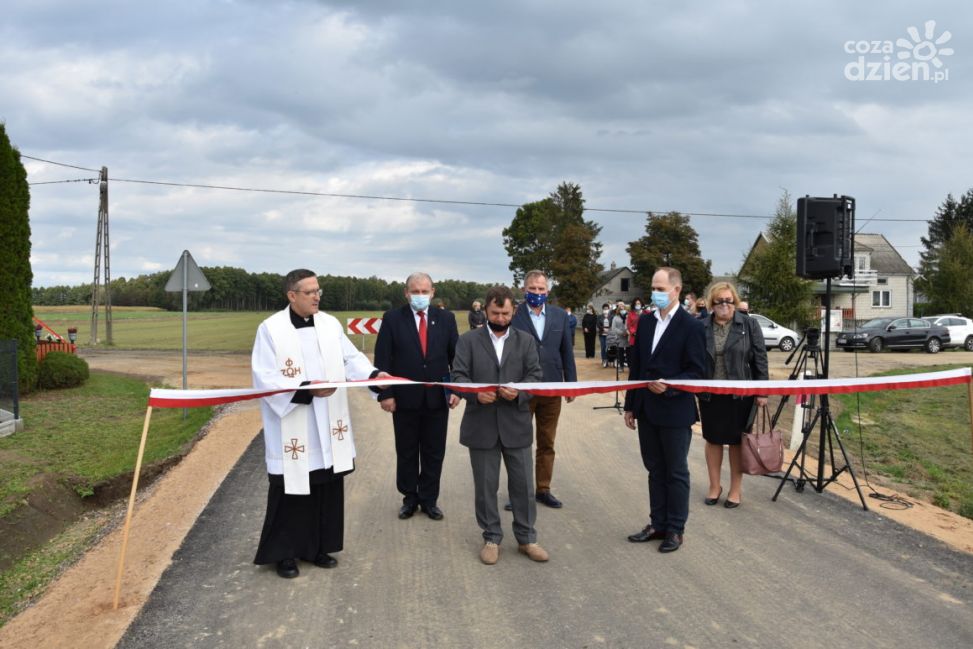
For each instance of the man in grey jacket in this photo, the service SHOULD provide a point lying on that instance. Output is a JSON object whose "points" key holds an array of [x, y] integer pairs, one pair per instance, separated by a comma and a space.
{"points": [[498, 423]]}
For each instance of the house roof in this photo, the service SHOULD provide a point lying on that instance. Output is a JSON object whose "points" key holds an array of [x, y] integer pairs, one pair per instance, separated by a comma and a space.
{"points": [[883, 257], [610, 274]]}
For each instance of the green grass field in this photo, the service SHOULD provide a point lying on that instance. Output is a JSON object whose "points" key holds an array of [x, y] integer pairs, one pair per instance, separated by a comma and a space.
{"points": [[919, 439], [149, 328]]}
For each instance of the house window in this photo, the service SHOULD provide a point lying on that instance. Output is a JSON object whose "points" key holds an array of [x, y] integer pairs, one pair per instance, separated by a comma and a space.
{"points": [[882, 280], [882, 298], [861, 263], [625, 284]]}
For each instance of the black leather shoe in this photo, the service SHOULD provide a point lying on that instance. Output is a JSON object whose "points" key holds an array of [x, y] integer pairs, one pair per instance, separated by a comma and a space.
{"points": [[729, 504], [432, 512], [547, 498], [287, 568], [713, 501], [649, 533], [325, 561], [508, 507], [672, 542], [406, 511]]}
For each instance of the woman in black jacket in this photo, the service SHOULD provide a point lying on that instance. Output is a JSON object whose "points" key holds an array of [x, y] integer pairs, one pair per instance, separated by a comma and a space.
{"points": [[589, 329], [736, 352]]}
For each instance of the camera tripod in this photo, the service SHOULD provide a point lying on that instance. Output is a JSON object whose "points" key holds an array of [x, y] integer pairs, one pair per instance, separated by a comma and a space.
{"points": [[618, 405], [809, 356]]}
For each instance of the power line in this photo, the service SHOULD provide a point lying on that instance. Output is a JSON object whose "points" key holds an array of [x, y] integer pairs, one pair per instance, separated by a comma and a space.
{"points": [[54, 182], [60, 164], [441, 201]]}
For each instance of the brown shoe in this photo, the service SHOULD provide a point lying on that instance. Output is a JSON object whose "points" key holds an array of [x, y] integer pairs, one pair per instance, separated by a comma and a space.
{"points": [[489, 553], [533, 551]]}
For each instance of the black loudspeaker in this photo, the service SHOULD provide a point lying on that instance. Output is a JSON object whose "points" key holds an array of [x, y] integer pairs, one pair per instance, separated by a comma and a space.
{"points": [[825, 237]]}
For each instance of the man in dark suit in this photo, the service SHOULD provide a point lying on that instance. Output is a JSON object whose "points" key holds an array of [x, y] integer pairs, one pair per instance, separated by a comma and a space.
{"points": [[669, 344], [549, 327], [418, 343], [498, 423]]}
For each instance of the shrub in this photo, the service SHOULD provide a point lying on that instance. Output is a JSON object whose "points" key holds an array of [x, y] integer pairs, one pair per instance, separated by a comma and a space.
{"points": [[61, 370]]}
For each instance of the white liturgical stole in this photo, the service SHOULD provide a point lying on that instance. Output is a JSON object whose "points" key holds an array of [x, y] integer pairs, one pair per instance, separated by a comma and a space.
{"points": [[312, 353]]}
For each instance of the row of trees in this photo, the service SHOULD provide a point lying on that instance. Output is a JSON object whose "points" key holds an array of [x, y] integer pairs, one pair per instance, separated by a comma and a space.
{"points": [[235, 289]]}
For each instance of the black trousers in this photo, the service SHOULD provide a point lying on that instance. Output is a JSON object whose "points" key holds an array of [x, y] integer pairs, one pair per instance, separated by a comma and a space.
{"points": [[665, 454], [420, 446], [303, 527], [589, 345]]}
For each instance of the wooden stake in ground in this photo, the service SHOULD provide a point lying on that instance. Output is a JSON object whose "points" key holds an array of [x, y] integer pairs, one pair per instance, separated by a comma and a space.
{"points": [[131, 507]]}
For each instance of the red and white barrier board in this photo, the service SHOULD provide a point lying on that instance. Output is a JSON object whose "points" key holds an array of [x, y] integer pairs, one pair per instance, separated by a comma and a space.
{"points": [[364, 325]]}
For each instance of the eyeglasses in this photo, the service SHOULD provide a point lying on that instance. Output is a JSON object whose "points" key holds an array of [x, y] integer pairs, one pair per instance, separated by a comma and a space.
{"points": [[725, 302], [312, 292]]}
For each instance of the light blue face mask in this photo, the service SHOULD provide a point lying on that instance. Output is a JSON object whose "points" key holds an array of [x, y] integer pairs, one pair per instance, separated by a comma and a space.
{"points": [[660, 299], [419, 302]]}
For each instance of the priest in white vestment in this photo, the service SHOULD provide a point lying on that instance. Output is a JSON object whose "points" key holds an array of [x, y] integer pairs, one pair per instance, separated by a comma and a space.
{"points": [[308, 434]]}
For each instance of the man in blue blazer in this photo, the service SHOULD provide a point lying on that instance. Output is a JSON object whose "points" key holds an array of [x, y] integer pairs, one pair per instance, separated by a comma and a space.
{"points": [[669, 344], [418, 342], [548, 325]]}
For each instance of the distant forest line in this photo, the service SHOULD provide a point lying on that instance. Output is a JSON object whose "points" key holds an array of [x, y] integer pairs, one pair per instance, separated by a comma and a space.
{"points": [[235, 289]]}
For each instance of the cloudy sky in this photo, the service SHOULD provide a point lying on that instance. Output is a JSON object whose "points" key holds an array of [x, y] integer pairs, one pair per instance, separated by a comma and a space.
{"points": [[709, 108]]}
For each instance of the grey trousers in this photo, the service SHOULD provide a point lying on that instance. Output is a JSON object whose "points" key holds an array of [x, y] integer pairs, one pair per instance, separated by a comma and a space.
{"points": [[520, 486]]}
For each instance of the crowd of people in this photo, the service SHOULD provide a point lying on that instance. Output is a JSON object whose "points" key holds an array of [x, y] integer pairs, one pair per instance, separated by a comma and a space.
{"points": [[309, 441]]}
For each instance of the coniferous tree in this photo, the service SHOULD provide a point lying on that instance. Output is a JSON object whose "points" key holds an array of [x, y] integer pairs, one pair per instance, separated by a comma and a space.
{"points": [[16, 313], [770, 279], [950, 214]]}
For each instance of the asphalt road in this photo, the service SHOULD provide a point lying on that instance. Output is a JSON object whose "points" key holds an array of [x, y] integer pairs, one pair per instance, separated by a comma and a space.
{"points": [[811, 570]]}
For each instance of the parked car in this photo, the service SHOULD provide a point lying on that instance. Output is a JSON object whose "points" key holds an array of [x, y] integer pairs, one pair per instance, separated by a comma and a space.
{"points": [[776, 335], [895, 333], [960, 330]]}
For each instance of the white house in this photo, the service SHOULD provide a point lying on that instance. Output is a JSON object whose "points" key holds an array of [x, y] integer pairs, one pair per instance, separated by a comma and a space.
{"points": [[881, 286], [615, 284]]}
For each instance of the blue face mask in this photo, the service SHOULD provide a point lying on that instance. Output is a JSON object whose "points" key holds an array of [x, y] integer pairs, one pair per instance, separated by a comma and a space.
{"points": [[419, 302], [535, 300], [660, 299]]}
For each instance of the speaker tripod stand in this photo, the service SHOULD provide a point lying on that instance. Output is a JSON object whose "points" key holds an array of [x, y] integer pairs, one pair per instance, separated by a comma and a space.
{"points": [[828, 436], [618, 406]]}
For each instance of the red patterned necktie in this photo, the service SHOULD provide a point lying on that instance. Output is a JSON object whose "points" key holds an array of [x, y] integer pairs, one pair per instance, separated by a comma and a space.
{"points": [[422, 331]]}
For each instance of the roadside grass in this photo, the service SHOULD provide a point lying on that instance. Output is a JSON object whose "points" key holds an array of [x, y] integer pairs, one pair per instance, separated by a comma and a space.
{"points": [[88, 434], [29, 577], [146, 328], [918, 439]]}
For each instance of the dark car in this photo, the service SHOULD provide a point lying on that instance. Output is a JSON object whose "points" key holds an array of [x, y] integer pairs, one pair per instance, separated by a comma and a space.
{"points": [[895, 333]]}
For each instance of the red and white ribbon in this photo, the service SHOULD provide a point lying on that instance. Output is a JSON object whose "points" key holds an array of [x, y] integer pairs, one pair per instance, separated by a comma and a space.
{"points": [[160, 398]]}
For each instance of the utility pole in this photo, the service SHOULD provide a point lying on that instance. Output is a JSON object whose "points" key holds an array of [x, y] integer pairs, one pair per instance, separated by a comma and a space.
{"points": [[101, 248]]}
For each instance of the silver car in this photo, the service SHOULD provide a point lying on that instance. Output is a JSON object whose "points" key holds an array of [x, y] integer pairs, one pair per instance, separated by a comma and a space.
{"points": [[776, 335]]}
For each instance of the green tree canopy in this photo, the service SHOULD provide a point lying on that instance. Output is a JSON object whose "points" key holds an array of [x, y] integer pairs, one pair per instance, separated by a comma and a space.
{"points": [[551, 235], [670, 241], [575, 265], [16, 313], [949, 288], [941, 228], [769, 277]]}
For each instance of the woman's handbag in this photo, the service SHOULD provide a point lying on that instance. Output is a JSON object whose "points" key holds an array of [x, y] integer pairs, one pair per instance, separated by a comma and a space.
{"points": [[762, 449]]}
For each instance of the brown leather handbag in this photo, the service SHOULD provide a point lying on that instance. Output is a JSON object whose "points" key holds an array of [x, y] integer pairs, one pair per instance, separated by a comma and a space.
{"points": [[762, 449]]}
